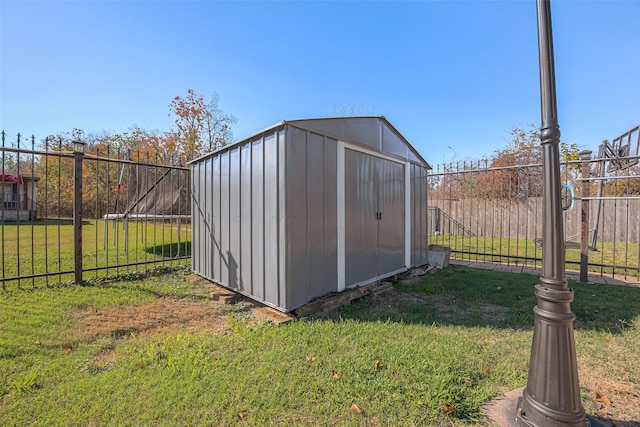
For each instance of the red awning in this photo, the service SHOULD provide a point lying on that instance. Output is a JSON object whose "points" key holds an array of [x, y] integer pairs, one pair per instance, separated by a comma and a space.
{"points": [[11, 177]]}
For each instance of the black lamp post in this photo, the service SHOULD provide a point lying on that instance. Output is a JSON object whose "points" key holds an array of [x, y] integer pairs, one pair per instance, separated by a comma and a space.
{"points": [[552, 394]]}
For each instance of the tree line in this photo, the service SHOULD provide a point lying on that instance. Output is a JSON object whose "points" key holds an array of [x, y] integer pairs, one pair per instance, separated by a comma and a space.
{"points": [[199, 126], [514, 172]]}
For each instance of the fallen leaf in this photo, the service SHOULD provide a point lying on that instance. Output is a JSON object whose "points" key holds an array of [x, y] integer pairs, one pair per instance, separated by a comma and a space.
{"points": [[355, 408], [216, 358], [311, 358], [308, 342], [625, 369], [335, 374], [467, 382], [67, 351], [448, 409], [241, 415], [486, 340], [487, 370], [602, 398], [377, 365], [605, 340]]}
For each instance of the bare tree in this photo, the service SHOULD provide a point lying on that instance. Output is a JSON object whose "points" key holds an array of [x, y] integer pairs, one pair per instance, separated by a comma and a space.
{"points": [[199, 127], [217, 124], [351, 110]]}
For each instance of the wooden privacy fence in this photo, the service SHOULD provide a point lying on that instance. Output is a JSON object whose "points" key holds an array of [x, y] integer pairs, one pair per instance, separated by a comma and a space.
{"points": [[72, 212], [521, 219], [495, 214]]}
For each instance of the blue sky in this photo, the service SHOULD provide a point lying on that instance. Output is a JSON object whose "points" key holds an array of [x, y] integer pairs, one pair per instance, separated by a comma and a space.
{"points": [[452, 76]]}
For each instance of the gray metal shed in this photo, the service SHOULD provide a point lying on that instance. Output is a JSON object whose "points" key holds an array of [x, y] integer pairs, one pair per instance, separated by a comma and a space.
{"points": [[309, 207]]}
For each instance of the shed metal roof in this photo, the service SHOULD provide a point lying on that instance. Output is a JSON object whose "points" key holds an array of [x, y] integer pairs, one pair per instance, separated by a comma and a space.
{"points": [[348, 129]]}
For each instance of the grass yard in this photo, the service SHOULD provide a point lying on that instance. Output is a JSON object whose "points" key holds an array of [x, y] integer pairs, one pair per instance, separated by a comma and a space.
{"points": [[161, 352], [625, 256], [47, 246]]}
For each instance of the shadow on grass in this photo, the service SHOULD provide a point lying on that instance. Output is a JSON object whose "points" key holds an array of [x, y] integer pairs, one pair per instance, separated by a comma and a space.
{"points": [[171, 250], [469, 297]]}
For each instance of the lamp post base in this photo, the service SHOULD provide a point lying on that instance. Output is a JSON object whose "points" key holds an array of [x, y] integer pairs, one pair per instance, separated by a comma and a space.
{"points": [[532, 413], [522, 420], [504, 411]]}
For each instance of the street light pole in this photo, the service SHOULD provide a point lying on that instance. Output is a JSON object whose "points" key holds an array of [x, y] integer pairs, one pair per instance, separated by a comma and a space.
{"points": [[552, 394]]}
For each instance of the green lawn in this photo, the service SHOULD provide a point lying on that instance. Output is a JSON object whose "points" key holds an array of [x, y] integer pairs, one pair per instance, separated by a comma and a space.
{"points": [[455, 340], [496, 249], [47, 246]]}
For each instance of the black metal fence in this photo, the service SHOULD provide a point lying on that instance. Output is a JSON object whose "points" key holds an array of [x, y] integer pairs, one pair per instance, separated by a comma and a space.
{"points": [[76, 212], [72, 213], [494, 214]]}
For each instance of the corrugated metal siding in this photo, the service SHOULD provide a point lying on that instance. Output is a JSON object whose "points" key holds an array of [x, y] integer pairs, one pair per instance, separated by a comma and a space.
{"points": [[257, 219], [330, 217], [224, 218], [201, 219], [234, 256], [358, 130], [237, 218], [271, 219], [196, 218], [245, 280], [373, 247], [282, 219], [311, 183], [361, 225], [391, 206], [392, 144], [375, 133], [418, 215], [215, 256], [207, 227]]}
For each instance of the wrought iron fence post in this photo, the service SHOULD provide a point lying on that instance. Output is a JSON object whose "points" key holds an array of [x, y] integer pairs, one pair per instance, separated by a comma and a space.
{"points": [[78, 154], [585, 156], [552, 394]]}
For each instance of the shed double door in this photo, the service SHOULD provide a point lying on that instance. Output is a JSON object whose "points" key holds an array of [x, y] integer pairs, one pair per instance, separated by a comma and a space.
{"points": [[374, 217]]}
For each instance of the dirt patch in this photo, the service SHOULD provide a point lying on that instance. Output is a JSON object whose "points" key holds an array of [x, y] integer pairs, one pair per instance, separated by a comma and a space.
{"points": [[392, 301], [105, 355], [443, 307], [161, 315], [492, 312], [207, 312]]}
